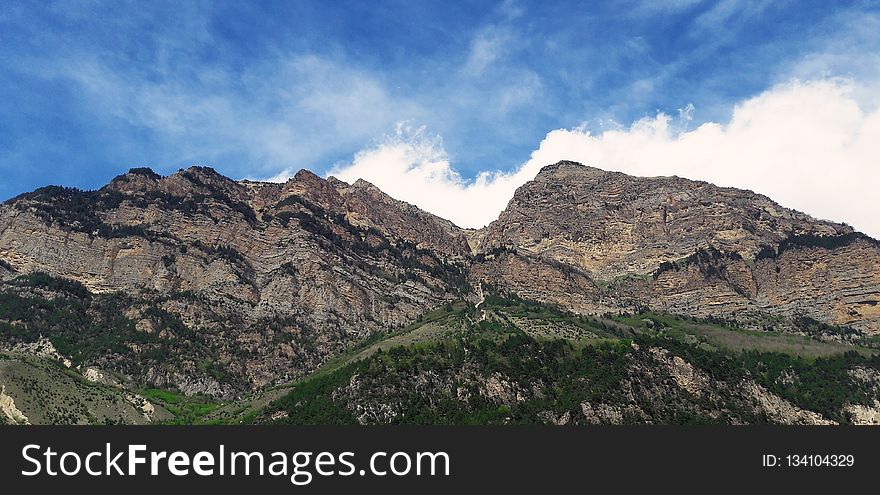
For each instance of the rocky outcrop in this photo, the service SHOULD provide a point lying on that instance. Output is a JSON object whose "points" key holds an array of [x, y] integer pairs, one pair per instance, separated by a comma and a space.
{"points": [[9, 411], [865, 414], [680, 246], [43, 348]]}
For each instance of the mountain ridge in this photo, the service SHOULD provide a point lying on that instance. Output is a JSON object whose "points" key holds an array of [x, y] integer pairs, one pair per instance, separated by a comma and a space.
{"points": [[214, 286], [639, 233]]}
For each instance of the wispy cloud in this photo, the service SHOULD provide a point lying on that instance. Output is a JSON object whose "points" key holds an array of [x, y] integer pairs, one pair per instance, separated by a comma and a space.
{"points": [[727, 15], [290, 111], [486, 48]]}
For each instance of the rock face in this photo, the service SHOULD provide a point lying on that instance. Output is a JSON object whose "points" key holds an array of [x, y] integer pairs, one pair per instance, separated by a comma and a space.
{"points": [[594, 241], [222, 286], [279, 275], [9, 411]]}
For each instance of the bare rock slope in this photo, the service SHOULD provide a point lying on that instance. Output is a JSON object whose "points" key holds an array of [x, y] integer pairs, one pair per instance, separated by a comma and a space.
{"points": [[598, 241], [272, 278]]}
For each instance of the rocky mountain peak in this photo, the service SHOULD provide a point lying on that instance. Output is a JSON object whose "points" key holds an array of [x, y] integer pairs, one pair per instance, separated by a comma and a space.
{"points": [[304, 176], [685, 245], [282, 274], [135, 181], [286, 275], [563, 168], [192, 182], [203, 181], [578, 209], [363, 184], [317, 189]]}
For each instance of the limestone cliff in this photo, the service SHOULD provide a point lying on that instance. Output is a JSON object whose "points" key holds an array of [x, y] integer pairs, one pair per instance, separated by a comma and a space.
{"points": [[279, 275], [596, 241]]}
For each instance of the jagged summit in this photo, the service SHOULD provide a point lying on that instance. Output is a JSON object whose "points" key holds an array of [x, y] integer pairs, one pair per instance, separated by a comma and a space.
{"points": [[564, 165], [363, 183], [142, 171]]}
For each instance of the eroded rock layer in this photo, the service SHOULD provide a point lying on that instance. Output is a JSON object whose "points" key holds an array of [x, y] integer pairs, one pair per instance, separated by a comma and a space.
{"points": [[279, 275], [677, 245]]}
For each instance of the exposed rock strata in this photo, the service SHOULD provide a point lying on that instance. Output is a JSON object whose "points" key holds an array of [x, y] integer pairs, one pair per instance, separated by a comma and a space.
{"points": [[275, 278], [680, 246], [280, 275]]}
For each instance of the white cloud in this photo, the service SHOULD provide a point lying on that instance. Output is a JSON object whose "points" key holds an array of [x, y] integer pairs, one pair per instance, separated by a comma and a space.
{"points": [[413, 166], [813, 146]]}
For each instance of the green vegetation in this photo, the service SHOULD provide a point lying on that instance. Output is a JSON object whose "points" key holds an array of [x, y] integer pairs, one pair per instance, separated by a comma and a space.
{"points": [[820, 384], [432, 326], [49, 393], [145, 171], [186, 410], [472, 345], [508, 360], [78, 325], [70, 208], [708, 260], [814, 327], [54, 284], [76, 210], [94, 329], [715, 334], [811, 241], [504, 351]]}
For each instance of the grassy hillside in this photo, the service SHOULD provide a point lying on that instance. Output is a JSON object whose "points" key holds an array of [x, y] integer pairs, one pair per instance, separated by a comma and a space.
{"points": [[514, 361], [44, 391]]}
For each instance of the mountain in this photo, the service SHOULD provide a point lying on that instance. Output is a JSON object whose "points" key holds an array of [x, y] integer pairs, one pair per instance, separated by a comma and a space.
{"points": [[195, 293], [222, 286], [601, 241]]}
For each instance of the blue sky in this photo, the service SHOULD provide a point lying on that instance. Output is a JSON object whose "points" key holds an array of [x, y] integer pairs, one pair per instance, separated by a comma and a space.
{"points": [[90, 89]]}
